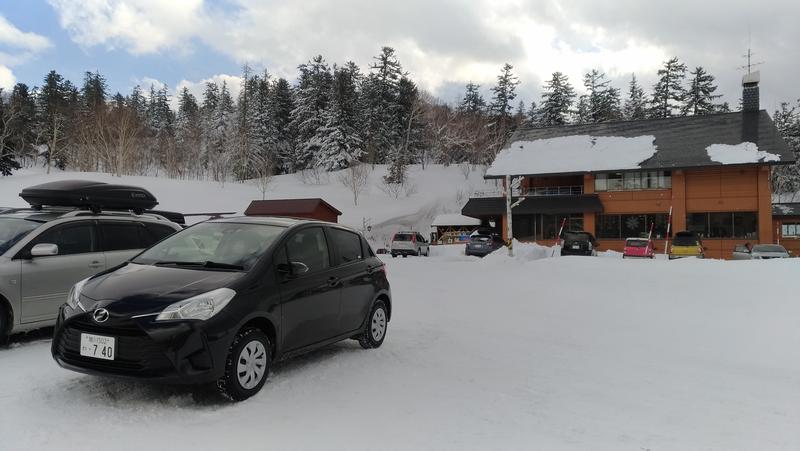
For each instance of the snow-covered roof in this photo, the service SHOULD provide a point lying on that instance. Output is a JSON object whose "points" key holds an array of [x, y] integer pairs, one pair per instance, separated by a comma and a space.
{"points": [[741, 153], [576, 153], [651, 144], [454, 219]]}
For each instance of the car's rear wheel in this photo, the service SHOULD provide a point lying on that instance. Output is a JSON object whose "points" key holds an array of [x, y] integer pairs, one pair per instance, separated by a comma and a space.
{"points": [[375, 330], [247, 365]]}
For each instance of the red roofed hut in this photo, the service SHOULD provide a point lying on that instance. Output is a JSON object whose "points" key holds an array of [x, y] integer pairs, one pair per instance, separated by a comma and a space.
{"points": [[315, 208]]}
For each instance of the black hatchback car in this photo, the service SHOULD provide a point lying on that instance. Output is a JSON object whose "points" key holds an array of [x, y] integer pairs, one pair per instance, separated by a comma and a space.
{"points": [[220, 301], [578, 243]]}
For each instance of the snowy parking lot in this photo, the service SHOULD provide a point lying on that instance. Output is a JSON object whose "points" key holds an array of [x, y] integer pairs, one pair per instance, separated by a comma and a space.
{"points": [[563, 353]]}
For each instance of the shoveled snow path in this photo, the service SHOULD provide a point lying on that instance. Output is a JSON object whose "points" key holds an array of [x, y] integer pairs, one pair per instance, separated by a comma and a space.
{"points": [[566, 353]]}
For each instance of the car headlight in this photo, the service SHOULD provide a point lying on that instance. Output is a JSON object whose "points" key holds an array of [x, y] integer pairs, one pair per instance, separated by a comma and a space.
{"points": [[74, 296], [200, 307]]}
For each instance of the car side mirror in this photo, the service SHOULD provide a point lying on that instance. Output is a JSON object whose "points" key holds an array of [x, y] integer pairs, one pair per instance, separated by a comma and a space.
{"points": [[44, 250]]}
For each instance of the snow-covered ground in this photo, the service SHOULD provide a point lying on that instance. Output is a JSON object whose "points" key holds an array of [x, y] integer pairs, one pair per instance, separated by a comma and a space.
{"points": [[436, 189], [555, 354]]}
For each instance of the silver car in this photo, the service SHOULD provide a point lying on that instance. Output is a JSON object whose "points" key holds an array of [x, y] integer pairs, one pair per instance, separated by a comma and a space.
{"points": [[759, 252], [409, 243], [43, 253]]}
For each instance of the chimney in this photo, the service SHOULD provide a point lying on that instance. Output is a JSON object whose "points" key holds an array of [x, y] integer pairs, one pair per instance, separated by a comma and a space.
{"points": [[750, 103]]}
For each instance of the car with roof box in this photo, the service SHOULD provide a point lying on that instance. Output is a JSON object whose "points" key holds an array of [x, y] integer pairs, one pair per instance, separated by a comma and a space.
{"points": [[218, 302], [45, 249]]}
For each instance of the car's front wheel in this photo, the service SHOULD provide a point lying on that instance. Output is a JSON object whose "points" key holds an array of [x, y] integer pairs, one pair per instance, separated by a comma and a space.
{"points": [[375, 329], [247, 365]]}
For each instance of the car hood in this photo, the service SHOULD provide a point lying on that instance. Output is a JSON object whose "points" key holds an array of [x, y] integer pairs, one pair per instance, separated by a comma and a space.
{"points": [[145, 286]]}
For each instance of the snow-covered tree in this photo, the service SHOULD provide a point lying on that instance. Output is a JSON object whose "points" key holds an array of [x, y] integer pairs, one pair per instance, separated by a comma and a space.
{"points": [[669, 93], [381, 127], [338, 139], [557, 98], [635, 104], [503, 95], [786, 178], [281, 105], [311, 100], [532, 118], [188, 131], [700, 95]]}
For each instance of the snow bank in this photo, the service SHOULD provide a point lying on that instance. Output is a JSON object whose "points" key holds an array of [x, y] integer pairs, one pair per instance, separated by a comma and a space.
{"points": [[741, 153], [523, 252], [579, 153]]}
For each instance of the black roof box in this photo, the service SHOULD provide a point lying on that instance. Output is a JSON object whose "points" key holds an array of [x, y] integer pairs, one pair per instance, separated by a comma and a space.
{"points": [[86, 194]]}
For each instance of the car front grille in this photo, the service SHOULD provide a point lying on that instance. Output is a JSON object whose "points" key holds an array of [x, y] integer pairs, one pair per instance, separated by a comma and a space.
{"points": [[136, 353]]}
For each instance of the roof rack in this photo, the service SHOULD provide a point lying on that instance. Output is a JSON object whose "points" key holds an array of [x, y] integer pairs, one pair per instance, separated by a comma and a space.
{"points": [[79, 212]]}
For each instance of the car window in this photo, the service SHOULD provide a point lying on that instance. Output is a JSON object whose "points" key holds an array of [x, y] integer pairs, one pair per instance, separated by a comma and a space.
{"points": [[153, 233], [768, 248], [403, 237], [347, 245], [685, 240], [121, 236], [12, 230], [71, 239], [309, 247], [367, 249]]}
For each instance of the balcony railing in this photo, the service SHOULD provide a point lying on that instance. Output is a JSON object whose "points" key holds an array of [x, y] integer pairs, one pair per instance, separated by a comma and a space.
{"points": [[571, 190]]}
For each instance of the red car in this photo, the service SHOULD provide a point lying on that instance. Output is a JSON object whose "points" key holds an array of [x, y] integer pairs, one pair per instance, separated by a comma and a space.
{"points": [[638, 248]]}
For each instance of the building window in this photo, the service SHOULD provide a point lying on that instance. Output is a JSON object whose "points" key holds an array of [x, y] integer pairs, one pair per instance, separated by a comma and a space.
{"points": [[740, 225], [790, 230], [544, 227], [628, 181], [617, 227]]}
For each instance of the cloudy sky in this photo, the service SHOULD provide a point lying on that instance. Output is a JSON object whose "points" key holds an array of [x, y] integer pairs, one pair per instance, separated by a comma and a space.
{"points": [[442, 43]]}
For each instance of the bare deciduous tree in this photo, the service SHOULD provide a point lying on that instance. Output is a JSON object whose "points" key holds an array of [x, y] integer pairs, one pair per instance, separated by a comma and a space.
{"points": [[355, 179]]}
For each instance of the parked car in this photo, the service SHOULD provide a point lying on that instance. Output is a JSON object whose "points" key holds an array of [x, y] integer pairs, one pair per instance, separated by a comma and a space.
{"points": [[409, 243], [578, 243], [638, 248], [759, 252], [261, 290], [686, 244], [44, 252], [483, 245]]}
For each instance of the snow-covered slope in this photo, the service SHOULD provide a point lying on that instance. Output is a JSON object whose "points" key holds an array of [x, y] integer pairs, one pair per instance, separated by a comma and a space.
{"points": [[432, 191], [566, 353]]}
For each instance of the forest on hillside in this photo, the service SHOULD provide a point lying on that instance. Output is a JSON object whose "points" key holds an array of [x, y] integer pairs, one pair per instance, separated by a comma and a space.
{"points": [[331, 117]]}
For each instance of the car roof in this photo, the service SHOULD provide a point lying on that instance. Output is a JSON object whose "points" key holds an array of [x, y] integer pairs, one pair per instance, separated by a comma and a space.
{"points": [[279, 221]]}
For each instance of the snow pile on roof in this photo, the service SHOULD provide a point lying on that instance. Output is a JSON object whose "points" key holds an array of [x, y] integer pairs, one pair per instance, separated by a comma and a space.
{"points": [[741, 153], [578, 153], [784, 209], [455, 219]]}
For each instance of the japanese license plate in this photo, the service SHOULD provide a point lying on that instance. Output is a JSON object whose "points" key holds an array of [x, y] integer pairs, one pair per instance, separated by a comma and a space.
{"points": [[98, 346]]}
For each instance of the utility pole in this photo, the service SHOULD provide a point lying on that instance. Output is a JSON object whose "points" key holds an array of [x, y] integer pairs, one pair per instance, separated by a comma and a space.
{"points": [[510, 186]]}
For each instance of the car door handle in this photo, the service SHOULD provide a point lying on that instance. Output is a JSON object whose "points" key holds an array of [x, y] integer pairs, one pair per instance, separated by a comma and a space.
{"points": [[333, 282], [95, 264]]}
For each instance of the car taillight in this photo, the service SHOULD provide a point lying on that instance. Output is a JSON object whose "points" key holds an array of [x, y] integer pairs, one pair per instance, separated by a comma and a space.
{"points": [[414, 239]]}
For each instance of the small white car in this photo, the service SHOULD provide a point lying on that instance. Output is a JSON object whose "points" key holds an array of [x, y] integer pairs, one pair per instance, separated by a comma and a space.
{"points": [[759, 252], [409, 243]]}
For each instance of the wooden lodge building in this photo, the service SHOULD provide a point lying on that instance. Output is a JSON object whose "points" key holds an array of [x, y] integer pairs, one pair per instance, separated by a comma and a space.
{"points": [[615, 179]]}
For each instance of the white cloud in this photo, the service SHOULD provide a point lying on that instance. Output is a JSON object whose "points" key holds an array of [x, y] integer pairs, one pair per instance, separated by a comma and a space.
{"points": [[7, 79], [21, 46], [138, 26]]}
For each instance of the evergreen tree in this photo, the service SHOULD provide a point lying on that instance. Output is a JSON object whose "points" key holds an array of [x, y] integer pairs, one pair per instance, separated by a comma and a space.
{"points": [[7, 161], [668, 92], [532, 116], [557, 98], [410, 118], [700, 96], [137, 101], [338, 139], [381, 126], [94, 92], [188, 129], [281, 105], [22, 124], [504, 93], [786, 178], [473, 102], [311, 101], [601, 102], [53, 109], [635, 104]]}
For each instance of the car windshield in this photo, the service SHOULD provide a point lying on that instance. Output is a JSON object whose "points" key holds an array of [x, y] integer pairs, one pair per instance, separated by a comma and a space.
{"points": [[684, 240], [636, 243], [769, 248], [214, 245], [14, 229], [403, 237]]}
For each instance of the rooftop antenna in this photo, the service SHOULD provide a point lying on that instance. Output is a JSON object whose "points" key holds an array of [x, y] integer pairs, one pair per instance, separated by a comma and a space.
{"points": [[749, 56]]}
